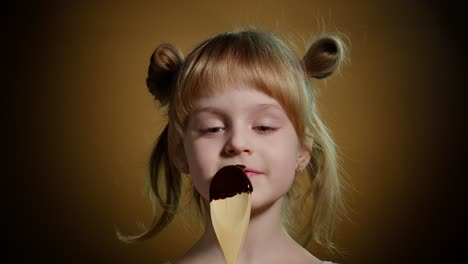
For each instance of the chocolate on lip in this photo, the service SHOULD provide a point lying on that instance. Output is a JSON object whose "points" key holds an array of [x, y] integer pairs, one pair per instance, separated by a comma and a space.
{"points": [[229, 181]]}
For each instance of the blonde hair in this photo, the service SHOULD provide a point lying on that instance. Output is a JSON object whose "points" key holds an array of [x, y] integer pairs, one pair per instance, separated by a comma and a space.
{"points": [[261, 60]]}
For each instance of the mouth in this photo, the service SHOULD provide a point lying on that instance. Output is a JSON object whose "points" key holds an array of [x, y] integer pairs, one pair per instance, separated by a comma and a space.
{"points": [[251, 172]]}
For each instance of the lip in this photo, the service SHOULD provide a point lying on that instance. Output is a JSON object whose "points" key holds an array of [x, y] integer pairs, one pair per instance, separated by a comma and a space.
{"points": [[251, 172]]}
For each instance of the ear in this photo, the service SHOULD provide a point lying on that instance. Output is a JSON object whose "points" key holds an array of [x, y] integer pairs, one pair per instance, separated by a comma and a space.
{"points": [[303, 157]]}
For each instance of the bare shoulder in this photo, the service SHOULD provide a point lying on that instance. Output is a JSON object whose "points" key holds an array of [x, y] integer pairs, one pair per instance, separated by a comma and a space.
{"points": [[191, 260], [297, 254], [188, 259], [306, 257], [196, 256]]}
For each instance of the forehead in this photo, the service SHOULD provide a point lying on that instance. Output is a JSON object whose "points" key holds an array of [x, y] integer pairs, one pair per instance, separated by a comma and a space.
{"points": [[238, 97]]}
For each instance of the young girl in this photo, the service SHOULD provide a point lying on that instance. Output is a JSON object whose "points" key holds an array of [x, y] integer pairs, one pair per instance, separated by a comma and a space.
{"points": [[244, 98]]}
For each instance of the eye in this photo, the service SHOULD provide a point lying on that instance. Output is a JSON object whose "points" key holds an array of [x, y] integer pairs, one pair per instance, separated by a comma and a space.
{"points": [[265, 129], [213, 130]]}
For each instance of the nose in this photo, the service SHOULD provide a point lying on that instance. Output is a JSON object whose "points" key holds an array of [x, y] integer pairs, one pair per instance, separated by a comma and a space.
{"points": [[237, 143]]}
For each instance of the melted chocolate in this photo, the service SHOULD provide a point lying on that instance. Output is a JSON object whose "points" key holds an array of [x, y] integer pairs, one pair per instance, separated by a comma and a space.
{"points": [[229, 181]]}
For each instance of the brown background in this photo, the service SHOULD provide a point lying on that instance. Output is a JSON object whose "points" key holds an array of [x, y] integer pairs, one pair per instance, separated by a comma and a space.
{"points": [[81, 124]]}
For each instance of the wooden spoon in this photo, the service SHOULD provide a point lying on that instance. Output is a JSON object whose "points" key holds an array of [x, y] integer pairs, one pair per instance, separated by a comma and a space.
{"points": [[230, 207]]}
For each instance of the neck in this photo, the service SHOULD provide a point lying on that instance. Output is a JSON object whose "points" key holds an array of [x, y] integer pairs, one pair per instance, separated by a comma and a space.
{"points": [[264, 233]]}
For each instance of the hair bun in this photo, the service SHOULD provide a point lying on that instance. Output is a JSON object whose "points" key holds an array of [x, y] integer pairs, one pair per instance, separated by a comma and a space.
{"points": [[323, 57], [162, 71]]}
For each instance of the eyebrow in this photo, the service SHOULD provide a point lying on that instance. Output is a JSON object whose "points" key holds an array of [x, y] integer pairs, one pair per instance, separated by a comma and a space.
{"points": [[217, 111]]}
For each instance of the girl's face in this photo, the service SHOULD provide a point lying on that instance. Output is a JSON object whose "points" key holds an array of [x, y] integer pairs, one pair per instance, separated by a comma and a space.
{"points": [[241, 125]]}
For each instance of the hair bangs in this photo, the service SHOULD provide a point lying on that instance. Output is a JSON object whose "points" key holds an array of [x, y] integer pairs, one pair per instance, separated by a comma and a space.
{"points": [[235, 60]]}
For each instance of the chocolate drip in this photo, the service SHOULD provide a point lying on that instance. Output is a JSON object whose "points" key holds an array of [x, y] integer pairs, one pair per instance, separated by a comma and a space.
{"points": [[229, 181]]}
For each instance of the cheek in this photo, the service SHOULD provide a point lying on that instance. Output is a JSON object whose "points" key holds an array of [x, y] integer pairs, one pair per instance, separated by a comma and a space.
{"points": [[277, 182], [284, 169], [200, 159], [283, 163]]}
